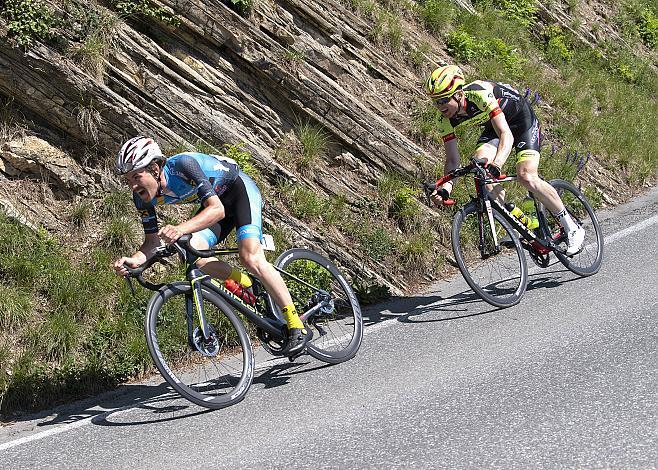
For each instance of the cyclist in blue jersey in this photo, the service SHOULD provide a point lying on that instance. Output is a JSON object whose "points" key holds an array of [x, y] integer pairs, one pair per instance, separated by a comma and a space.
{"points": [[508, 122], [228, 198]]}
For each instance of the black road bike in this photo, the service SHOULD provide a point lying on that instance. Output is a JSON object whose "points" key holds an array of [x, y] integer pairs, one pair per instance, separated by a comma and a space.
{"points": [[200, 335], [490, 254]]}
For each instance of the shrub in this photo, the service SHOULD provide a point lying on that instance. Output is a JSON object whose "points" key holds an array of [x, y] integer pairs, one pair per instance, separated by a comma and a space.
{"points": [[28, 20], [242, 157], [243, 7], [522, 11], [368, 292], [647, 27], [557, 44], [145, 8], [464, 47]]}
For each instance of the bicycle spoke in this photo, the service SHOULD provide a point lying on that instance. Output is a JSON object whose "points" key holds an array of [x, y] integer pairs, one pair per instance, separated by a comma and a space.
{"points": [[496, 272], [210, 371], [588, 260], [317, 286]]}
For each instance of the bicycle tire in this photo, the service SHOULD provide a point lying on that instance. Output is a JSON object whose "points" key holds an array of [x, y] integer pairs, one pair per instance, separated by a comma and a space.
{"points": [[338, 329], [503, 292], [588, 261], [167, 339]]}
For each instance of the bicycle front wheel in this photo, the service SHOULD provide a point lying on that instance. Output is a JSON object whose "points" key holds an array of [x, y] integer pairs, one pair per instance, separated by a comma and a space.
{"points": [[588, 260], [497, 272], [320, 291], [212, 373]]}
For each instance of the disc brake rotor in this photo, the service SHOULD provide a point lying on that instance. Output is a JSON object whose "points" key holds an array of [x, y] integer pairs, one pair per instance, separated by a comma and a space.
{"points": [[208, 348]]}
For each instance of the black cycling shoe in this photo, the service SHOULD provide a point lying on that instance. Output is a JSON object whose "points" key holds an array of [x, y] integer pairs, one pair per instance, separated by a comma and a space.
{"points": [[297, 339]]}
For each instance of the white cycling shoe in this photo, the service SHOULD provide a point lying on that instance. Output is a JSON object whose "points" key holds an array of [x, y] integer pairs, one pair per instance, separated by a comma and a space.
{"points": [[575, 241]]}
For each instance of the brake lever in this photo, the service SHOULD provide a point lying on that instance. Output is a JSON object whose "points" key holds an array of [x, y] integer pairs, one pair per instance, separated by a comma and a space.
{"points": [[130, 284]]}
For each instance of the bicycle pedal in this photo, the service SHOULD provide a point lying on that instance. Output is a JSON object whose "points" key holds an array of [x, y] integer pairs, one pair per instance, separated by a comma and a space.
{"points": [[296, 355]]}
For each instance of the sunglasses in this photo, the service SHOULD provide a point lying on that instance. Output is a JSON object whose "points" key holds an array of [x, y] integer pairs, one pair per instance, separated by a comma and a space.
{"points": [[442, 101]]}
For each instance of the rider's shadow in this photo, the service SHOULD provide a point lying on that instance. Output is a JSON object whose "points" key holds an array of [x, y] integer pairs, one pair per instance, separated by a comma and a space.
{"points": [[280, 374], [403, 309], [550, 280]]}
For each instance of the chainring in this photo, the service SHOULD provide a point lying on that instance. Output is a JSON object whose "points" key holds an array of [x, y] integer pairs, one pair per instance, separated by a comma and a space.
{"points": [[541, 260]]}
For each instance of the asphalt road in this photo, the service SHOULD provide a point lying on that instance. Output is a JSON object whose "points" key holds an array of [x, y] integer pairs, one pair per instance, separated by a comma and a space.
{"points": [[565, 379]]}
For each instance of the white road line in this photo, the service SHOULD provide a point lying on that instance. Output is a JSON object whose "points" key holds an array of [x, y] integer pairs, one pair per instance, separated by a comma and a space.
{"points": [[371, 329], [632, 229]]}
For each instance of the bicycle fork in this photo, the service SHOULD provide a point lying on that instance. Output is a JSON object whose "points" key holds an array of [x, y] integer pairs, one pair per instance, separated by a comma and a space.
{"points": [[484, 209], [194, 306]]}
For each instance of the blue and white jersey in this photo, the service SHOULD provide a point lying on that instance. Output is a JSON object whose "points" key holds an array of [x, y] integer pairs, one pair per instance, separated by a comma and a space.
{"points": [[191, 178]]}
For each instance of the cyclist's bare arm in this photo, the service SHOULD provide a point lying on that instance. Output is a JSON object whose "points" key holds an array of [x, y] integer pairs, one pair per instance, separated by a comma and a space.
{"points": [[213, 211], [501, 127], [452, 156], [151, 242]]}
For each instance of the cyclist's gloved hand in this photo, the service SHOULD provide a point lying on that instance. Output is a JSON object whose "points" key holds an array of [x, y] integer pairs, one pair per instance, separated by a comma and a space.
{"points": [[439, 196], [493, 170]]}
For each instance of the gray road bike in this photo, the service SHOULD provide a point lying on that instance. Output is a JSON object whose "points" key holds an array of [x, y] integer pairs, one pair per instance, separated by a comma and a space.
{"points": [[200, 335], [489, 242]]}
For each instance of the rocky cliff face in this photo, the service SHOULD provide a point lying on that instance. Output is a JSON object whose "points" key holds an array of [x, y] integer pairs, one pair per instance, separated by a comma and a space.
{"points": [[217, 77], [220, 78]]}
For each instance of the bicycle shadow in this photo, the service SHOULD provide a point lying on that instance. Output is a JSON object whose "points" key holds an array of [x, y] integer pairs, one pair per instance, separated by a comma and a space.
{"points": [[463, 304], [402, 309], [280, 374]]}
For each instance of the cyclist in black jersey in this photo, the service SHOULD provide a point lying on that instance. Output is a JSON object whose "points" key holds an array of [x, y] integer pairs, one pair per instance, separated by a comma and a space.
{"points": [[228, 199], [508, 122]]}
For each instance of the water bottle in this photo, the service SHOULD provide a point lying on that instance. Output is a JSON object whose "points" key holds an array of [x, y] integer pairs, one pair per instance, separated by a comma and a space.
{"points": [[518, 213], [240, 291], [528, 207]]}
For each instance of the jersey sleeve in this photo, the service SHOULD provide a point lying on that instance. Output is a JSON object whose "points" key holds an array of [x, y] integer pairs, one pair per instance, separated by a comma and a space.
{"points": [[190, 169], [446, 129], [485, 100], [148, 215]]}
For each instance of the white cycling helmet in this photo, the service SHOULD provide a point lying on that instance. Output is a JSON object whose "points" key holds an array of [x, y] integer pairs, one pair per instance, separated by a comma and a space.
{"points": [[137, 153]]}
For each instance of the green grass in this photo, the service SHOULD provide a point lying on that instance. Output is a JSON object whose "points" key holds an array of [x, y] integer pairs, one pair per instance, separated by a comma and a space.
{"points": [[374, 237], [415, 251], [307, 205], [437, 15], [314, 140], [81, 213], [119, 235], [15, 308], [117, 203]]}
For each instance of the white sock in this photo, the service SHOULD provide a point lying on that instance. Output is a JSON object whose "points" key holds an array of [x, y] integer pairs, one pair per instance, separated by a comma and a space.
{"points": [[566, 221]]}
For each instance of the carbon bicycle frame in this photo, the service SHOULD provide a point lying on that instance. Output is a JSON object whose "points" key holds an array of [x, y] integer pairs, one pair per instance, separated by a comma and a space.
{"points": [[485, 202], [275, 325]]}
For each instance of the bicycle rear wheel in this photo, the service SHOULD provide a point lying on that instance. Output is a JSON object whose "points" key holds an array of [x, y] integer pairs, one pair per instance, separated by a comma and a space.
{"points": [[498, 274], [317, 285], [588, 260], [212, 374]]}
